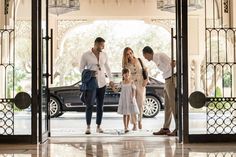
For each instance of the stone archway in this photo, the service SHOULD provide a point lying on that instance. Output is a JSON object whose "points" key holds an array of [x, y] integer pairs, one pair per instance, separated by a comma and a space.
{"points": [[67, 30]]}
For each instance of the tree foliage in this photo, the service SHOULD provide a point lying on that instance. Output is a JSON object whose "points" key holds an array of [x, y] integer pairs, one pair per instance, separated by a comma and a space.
{"points": [[118, 35]]}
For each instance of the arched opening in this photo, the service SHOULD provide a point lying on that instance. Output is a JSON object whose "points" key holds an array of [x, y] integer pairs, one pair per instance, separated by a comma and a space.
{"points": [[118, 34]]}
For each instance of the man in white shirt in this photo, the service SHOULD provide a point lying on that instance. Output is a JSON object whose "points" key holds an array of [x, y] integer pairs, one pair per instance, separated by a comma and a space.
{"points": [[165, 64], [97, 61]]}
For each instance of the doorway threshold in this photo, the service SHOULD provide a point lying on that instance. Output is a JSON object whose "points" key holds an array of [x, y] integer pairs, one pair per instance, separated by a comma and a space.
{"points": [[107, 132]]}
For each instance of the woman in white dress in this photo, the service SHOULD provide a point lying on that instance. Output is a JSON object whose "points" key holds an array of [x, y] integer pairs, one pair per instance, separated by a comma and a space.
{"points": [[127, 102], [134, 65]]}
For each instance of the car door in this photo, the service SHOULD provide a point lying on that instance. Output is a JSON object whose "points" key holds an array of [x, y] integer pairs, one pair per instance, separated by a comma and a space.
{"points": [[111, 97], [71, 96]]}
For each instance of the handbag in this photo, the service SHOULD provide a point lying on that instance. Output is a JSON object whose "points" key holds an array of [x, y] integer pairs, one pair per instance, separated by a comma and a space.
{"points": [[144, 72]]}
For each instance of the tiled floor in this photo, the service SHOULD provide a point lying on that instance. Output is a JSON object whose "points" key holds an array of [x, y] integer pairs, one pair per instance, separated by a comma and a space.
{"points": [[69, 140], [73, 123], [153, 146]]}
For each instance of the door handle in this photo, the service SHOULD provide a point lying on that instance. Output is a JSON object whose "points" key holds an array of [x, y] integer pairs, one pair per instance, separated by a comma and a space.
{"points": [[172, 49], [47, 38], [51, 55]]}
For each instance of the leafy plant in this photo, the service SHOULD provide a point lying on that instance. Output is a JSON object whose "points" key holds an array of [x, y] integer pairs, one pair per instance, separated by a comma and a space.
{"points": [[227, 79], [218, 92]]}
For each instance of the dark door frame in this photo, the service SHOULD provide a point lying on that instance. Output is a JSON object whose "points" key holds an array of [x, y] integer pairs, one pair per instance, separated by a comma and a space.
{"points": [[182, 69], [185, 107], [43, 75], [35, 50], [31, 138]]}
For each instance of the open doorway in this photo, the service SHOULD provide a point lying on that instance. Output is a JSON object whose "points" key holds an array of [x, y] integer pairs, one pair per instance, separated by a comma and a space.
{"points": [[70, 28], [66, 107]]}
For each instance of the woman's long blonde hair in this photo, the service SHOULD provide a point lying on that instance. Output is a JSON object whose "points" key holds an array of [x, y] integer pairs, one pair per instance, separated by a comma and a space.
{"points": [[125, 59]]}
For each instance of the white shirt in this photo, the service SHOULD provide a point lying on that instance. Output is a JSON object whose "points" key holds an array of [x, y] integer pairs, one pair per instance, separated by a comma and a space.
{"points": [[163, 63], [89, 61]]}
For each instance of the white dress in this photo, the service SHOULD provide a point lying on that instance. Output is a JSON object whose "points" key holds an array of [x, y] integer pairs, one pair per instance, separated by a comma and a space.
{"points": [[127, 103]]}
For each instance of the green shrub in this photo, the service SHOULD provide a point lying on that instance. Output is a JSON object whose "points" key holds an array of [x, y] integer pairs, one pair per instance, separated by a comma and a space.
{"points": [[227, 79]]}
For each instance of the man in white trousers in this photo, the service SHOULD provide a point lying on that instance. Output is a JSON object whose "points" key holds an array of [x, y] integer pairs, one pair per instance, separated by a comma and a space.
{"points": [[165, 64]]}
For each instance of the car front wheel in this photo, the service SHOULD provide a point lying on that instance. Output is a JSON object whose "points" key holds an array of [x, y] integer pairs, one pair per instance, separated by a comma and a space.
{"points": [[55, 108], [151, 107]]}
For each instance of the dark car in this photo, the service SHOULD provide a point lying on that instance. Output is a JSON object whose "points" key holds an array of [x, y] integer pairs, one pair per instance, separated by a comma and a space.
{"points": [[63, 99]]}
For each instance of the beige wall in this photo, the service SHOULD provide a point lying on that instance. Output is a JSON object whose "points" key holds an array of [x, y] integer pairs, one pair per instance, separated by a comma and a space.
{"points": [[104, 9]]}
